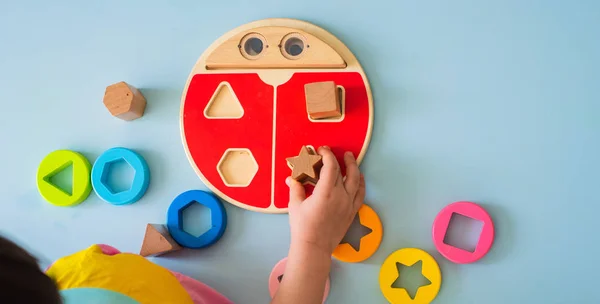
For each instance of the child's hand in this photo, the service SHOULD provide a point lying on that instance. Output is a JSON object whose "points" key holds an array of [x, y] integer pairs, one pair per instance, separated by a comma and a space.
{"points": [[321, 221], [318, 224]]}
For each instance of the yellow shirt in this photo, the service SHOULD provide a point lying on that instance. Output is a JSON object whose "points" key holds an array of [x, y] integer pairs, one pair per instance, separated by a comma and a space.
{"points": [[128, 274]]}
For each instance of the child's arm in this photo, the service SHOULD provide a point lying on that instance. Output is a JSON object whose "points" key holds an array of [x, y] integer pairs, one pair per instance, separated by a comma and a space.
{"points": [[318, 225]]}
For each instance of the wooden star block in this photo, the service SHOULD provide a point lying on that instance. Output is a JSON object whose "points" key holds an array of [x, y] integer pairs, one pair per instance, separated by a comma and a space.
{"points": [[124, 101], [158, 241], [306, 166], [322, 100]]}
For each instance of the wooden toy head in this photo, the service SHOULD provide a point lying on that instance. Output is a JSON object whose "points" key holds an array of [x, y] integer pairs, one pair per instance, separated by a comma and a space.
{"points": [[274, 47]]}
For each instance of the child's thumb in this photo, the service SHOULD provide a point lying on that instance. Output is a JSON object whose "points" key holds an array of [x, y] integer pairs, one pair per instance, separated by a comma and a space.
{"points": [[297, 192]]}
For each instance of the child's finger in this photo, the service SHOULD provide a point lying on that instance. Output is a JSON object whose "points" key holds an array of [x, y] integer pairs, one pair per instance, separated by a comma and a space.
{"points": [[330, 172], [297, 192], [352, 174], [359, 199]]}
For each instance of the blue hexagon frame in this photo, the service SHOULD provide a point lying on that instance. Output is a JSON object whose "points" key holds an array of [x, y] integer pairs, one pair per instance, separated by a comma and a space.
{"points": [[140, 183], [175, 219]]}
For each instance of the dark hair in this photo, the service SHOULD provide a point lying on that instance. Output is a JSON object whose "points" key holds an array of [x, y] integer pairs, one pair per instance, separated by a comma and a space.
{"points": [[21, 278]]}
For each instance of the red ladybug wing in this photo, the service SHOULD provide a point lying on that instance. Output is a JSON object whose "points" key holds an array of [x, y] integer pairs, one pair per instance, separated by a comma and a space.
{"points": [[294, 129], [208, 138]]}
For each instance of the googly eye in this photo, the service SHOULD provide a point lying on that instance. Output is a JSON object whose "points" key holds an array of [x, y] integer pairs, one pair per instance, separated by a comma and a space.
{"points": [[293, 46], [252, 46]]}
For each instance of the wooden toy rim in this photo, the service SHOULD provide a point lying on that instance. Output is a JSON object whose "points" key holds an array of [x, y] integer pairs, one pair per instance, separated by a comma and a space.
{"points": [[200, 67]]}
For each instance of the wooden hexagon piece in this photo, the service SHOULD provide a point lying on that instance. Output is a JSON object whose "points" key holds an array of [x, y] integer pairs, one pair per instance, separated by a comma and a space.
{"points": [[124, 101]]}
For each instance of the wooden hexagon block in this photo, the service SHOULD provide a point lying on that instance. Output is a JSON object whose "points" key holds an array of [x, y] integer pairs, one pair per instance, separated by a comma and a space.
{"points": [[124, 101]]}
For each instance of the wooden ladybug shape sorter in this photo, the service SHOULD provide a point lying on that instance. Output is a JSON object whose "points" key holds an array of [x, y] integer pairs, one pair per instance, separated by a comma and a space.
{"points": [[259, 94]]}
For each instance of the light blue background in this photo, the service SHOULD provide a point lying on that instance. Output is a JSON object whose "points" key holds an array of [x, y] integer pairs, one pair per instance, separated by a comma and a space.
{"points": [[497, 102]]}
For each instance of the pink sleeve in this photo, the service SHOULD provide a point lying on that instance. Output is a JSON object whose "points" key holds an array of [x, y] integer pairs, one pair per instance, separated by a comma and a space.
{"points": [[201, 293]]}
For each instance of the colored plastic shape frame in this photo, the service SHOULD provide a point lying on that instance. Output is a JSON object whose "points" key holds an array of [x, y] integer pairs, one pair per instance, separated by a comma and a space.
{"points": [[218, 218], [388, 274], [458, 255], [277, 274], [368, 243], [55, 162], [140, 182]]}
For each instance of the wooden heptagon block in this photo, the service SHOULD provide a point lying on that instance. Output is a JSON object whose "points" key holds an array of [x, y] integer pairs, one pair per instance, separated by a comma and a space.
{"points": [[306, 166], [158, 241], [322, 100], [124, 101]]}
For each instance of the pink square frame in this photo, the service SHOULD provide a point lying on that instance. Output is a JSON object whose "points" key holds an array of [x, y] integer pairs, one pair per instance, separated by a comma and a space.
{"points": [[455, 254]]}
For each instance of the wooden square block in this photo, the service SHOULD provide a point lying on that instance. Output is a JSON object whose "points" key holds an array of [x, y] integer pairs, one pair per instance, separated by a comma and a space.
{"points": [[322, 100]]}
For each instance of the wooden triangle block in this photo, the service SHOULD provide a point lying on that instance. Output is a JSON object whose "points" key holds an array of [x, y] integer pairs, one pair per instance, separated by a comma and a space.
{"points": [[158, 241]]}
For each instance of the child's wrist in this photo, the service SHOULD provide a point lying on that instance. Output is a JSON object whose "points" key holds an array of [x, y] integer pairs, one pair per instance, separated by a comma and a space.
{"points": [[312, 257], [306, 274], [310, 249]]}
